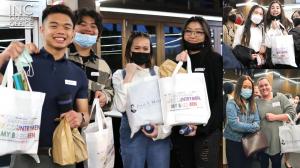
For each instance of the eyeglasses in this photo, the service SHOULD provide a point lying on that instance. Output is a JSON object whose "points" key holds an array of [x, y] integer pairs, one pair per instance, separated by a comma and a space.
{"points": [[196, 33]]}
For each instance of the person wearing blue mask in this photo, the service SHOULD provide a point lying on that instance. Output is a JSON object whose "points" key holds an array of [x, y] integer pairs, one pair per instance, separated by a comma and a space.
{"points": [[88, 28], [242, 118]]}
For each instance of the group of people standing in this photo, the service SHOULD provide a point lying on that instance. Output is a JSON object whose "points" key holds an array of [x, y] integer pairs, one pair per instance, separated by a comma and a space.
{"points": [[86, 76], [247, 113], [256, 33]]}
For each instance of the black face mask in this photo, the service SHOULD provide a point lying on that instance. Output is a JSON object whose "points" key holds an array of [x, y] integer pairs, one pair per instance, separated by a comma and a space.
{"points": [[278, 17], [232, 17], [140, 58], [193, 46], [296, 21]]}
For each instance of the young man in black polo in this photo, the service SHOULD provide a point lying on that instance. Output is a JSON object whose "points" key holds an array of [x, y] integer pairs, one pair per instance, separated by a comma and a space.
{"points": [[56, 76]]}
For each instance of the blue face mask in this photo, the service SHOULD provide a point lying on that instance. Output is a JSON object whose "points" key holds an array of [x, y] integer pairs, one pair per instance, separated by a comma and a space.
{"points": [[25, 60], [85, 40], [246, 93]]}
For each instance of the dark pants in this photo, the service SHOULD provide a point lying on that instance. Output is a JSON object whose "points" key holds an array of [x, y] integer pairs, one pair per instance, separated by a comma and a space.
{"points": [[200, 152], [275, 159], [235, 155], [26, 161]]}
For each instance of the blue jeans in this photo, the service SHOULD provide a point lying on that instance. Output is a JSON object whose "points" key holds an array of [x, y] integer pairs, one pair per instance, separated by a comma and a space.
{"points": [[141, 150]]}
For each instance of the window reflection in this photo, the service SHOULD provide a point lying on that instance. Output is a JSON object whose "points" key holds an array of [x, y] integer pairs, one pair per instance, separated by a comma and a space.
{"points": [[111, 45], [172, 41], [8, 35]]}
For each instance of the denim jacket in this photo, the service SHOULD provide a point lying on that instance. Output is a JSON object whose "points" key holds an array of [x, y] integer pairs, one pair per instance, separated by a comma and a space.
{"points": [[239, 124]]}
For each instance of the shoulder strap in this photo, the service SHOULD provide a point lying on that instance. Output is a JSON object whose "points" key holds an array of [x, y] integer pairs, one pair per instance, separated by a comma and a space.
{"points": [[123, 73], [151, 71]]}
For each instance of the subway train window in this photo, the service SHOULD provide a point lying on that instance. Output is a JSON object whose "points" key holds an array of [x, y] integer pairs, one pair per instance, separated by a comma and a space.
{"points": [[151, 30], [172, 41], [111, 45]]}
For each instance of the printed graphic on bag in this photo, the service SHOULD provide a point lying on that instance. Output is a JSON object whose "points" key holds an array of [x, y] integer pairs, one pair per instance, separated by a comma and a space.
{"points": [[281, 53], [144, 104], [184, 100], [19, 129]]}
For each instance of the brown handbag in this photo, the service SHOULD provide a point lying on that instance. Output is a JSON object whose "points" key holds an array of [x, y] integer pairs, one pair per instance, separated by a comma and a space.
{"points": [[253, 143]]}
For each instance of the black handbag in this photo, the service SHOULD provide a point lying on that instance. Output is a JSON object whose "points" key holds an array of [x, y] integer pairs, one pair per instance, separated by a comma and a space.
{"points": [[255, 142], [243, 54]]}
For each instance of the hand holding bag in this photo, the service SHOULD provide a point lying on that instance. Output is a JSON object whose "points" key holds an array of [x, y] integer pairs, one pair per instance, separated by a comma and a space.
{"points": [[254, 143]]}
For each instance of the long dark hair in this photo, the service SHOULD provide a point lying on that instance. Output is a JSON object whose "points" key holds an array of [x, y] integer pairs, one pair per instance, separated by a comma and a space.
{"points": [[226, 11], [133, 36], [238, 98], [205, 26], [283, 20], [246, 36]]}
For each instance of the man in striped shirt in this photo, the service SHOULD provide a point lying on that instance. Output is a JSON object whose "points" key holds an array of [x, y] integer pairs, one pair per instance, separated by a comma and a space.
{"points": [[88, 27]]}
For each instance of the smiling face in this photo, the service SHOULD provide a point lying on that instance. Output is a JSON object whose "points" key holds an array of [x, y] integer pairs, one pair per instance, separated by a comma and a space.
{"points": [[87, 26], [264, 88], [57, 30], [275, 9]]}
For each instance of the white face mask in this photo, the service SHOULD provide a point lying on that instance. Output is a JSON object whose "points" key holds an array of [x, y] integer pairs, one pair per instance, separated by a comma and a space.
{"points": [[256, 18]]}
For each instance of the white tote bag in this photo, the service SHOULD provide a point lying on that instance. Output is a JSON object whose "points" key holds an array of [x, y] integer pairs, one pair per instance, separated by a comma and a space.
{"points": [[184, 97], [289, 135], [20, 117], [143, 103], [100, 140], [283, 50]]}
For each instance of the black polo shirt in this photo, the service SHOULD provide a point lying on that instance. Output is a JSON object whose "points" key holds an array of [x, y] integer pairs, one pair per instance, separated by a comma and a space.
{"points": [[55, 78]]}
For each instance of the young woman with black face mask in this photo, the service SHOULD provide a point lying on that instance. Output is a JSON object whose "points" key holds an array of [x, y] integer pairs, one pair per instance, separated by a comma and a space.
{"points": [[200, 148], [276, 24], [150, 148], [229, 26], [296, 35]]}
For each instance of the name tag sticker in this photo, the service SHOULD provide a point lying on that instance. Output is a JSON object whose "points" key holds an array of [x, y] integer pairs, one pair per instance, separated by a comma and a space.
{"points": [[95, 74], [275, 104], [70, 82], [199, 69]]}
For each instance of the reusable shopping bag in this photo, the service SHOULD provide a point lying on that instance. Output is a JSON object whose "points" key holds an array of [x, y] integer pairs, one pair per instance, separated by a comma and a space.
{"points": [[143, 103], [184, 98], [99, 139], [20, 116], [289, 135], [282, 48]]}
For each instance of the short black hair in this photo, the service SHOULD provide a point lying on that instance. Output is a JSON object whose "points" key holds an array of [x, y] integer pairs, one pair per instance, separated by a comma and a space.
{"points": [[80, 13], [60, 8]]}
